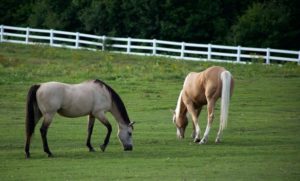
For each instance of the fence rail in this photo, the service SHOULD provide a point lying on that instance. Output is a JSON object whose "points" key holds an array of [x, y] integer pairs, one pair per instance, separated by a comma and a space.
{"points": [[178, 50]]}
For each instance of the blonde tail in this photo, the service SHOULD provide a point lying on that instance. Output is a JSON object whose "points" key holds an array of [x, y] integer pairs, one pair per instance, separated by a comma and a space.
{"points": [[225, 98]]}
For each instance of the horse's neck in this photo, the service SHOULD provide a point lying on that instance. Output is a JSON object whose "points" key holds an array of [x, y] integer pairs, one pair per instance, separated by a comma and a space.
{"points": [[180, 108], [117, 115], [183, 109]]}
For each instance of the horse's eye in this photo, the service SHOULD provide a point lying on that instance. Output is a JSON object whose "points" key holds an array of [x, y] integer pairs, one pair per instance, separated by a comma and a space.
{"points": [[129, 133]]}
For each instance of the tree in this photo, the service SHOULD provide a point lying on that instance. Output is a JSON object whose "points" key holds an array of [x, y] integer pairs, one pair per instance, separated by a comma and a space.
{"points": [[56, 14], [263, 25], [15, 12], [268, 23]]}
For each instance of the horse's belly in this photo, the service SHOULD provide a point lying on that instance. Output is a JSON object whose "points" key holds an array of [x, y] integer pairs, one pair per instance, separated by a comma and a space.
{"points": [[73, 112], [76, 104]]}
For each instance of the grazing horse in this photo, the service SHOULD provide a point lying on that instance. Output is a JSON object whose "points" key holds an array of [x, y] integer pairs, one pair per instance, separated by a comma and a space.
{"points": [[203, 88], [93, 98]]}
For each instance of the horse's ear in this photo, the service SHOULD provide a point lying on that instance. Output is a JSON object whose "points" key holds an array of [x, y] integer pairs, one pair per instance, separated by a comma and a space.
{"points": [[131, 123]]}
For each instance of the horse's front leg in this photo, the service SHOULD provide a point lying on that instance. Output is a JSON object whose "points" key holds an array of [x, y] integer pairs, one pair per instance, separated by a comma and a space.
{"points": [[195, 113], [91, 121], [104, 121]]}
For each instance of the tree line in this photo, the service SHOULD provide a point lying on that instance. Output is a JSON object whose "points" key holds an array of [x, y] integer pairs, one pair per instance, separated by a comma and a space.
{"points": [[254, 23]]}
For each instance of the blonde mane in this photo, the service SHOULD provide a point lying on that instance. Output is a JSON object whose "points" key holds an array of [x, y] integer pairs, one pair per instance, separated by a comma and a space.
{"points": [[178, 106]]}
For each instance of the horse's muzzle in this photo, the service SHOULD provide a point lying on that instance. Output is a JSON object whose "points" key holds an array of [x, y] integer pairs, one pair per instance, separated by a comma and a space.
{"points": [[128, 148]]}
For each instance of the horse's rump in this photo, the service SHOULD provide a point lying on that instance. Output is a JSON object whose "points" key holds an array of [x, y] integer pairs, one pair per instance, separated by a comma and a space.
{"points": [[206, 84]]}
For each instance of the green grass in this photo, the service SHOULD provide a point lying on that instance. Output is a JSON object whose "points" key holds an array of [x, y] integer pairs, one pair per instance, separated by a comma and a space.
{"points": [[261, 142]]}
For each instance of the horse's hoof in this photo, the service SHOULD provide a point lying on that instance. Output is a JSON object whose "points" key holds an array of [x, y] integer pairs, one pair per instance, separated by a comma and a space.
{"points": [[197, 140], [218, 141], [50, 155], [91, 150], [202, 142], [27, 156], [102, 147]]}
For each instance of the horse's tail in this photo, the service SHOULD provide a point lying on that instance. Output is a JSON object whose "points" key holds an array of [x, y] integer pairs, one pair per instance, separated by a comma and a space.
{"points": [[33, 112], [225, 98]]}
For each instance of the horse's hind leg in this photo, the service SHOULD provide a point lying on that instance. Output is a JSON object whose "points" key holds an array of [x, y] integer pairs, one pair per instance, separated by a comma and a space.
{"points": [[29, 135], [27, 145], [219, 135], [91, 121], [210, 118], [44, 130]]}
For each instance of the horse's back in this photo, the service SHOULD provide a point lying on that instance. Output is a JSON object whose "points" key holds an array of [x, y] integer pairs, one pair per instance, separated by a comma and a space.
{"points": [[193, 88], [72, 100], [210, 74], [202, 85], [213, 73]]}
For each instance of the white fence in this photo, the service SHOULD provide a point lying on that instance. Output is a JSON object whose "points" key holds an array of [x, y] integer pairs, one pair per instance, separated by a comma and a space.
{"points": [[178, 50]]}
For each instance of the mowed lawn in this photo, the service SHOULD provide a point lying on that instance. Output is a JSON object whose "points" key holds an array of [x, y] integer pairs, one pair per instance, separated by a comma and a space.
{"points": [[261, 142]]}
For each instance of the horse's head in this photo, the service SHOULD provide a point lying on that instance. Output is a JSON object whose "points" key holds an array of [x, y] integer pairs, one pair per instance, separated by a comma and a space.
{"points": [[181, 122], [125, 136]]}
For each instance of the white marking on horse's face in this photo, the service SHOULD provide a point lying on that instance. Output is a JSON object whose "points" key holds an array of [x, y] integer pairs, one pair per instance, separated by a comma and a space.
{"points": [[179, 120], [180, 125], [174, 118], [178, 133], [125, 136]]}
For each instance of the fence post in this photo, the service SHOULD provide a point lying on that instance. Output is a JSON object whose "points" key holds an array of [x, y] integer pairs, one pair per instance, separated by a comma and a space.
{"points": [[51, 37], [209, 52], [128, 44], [154, 47], [103, 42], [238, 57], [268, 56], [27, 35], [77, 40], [299, 58], [182, 50], [1, 33]]}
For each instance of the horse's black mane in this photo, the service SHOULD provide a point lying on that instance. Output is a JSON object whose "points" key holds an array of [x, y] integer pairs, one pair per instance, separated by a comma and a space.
{"points": [[117, 99]]}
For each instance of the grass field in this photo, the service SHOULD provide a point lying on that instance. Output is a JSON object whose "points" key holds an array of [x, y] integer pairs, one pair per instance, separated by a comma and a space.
{"points": [[261, 142]]}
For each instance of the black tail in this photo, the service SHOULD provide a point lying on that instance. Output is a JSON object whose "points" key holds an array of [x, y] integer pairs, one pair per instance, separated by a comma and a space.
{"points": [[31, 110]]}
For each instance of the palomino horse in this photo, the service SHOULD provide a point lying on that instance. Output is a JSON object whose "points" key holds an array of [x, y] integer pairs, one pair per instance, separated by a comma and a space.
{"points": [[200, 89], [92, 98]]}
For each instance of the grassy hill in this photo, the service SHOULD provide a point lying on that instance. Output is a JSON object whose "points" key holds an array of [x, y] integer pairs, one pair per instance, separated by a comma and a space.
{"points": [[261, 142]]}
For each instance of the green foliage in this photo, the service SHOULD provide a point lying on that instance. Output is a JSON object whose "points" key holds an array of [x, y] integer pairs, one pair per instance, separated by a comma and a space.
{"points": [[270, 23], [263, 25], [55, 14], [262, 131], [15, 12]]}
